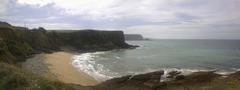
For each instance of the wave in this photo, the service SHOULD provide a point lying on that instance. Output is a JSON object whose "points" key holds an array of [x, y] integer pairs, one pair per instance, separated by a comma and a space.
{"points": [[86, 63]]}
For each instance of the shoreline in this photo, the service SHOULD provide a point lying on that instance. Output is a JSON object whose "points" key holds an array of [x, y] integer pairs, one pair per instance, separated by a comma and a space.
{"points": [[58, 66]]}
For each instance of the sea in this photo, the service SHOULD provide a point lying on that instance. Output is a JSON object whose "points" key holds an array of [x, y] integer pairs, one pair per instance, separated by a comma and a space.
{"points": [[186, 55]]}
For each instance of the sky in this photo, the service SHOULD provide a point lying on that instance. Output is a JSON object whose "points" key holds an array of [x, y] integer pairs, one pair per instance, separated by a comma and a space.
{"points": [[166, 19]]}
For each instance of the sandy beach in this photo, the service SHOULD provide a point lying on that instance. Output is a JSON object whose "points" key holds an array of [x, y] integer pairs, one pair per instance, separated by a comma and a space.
{"points": [[59, 64], [59, 67]]}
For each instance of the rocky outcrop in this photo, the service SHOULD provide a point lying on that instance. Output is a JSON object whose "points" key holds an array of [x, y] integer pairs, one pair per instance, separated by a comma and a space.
{"points": [[195, 81], [136, 82]]}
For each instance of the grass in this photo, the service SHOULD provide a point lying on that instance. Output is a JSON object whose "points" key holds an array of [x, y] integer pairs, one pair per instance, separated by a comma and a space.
{"points": [[15, 78]]}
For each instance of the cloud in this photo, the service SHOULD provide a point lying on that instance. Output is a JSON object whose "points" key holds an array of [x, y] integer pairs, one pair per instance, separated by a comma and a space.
{"points": [[3, 8], [169, 18], [111, 9], [39, 3], [148, 10]]}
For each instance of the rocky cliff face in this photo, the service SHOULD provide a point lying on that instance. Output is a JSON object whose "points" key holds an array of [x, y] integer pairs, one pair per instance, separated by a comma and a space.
{"points": [[98, 40], [19, 42]]}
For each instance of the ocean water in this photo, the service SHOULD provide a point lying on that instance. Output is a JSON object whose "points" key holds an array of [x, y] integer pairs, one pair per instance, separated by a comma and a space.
{"points": [[183, 55]]}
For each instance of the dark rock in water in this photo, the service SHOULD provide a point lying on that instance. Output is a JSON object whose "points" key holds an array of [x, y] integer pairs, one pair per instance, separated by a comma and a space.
{"points": [[120, 80], [141, 77], [173, 74], [179, 77], [161, 72], [149, 80], [200, 77], [149, 76]]}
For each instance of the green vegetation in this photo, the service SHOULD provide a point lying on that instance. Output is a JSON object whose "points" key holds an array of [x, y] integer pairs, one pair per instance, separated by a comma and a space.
{"points": [[14, 78], [17, 44]]}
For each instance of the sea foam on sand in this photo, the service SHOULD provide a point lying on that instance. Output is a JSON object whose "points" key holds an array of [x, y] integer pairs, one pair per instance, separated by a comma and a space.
{"points": [[86, 62]]}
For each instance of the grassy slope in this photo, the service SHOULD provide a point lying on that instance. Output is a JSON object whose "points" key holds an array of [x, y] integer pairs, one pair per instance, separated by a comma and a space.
{"points": [[17, 44], [14, 78]]}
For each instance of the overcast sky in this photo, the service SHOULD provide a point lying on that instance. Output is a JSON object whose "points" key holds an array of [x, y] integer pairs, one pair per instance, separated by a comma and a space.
{"points": [[215, 19]]}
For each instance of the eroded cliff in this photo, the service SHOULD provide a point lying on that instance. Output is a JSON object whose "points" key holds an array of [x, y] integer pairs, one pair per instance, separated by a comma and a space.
{"points": [[18, 43]]}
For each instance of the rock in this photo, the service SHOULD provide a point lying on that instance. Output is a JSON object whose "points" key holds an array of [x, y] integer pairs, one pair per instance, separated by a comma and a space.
{"points": [[201, 77], [156, 76], [151, 79], [141, 77], [152, 75], [179, 77], [173, 74], [122, 79], [155, 85], [161, 72]]}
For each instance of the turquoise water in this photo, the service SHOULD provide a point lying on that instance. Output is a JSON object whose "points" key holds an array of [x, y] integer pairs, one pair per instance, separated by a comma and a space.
{"points": [[184, 55]]}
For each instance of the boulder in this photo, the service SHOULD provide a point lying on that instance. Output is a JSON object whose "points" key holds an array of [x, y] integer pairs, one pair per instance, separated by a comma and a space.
{"points": [[179, 77], [173, 74]]}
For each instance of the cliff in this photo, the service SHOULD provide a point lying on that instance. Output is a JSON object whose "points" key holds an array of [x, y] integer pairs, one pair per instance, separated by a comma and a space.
{"points": [[133, 37], [95, 39], [18, 43]]}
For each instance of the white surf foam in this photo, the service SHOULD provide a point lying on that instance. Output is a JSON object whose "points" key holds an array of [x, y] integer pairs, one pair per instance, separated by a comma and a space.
{"points": [[183, 71], [86, 63]]}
